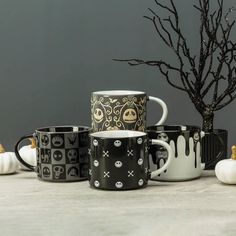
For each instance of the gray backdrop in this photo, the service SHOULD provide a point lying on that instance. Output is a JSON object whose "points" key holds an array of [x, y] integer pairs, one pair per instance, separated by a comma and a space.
{"points": [[54, 53]]}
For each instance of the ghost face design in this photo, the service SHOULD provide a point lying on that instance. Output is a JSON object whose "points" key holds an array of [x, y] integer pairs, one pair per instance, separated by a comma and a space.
{"points": [[119, 184], [98, 115], [57, 141], [118, 164], [72, 155], [163, 136], [130, 116], [57, 155], [117, 143]]}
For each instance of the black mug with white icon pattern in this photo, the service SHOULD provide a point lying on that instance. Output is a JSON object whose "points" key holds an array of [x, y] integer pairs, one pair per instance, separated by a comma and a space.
{"points": [[118, 159], [62, 153]]}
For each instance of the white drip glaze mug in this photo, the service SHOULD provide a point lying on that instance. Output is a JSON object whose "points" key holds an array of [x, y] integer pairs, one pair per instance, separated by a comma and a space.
{"points": [[185, 142]]}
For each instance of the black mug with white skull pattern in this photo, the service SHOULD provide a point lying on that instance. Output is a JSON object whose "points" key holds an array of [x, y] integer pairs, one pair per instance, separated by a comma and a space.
{"points": [[118, 159], [122, 110], [62, 153]]}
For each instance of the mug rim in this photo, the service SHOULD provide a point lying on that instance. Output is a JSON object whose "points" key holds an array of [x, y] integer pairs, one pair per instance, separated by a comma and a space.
{"points": [[107, 134], [172, 128], [75, 129], [118, 92]]}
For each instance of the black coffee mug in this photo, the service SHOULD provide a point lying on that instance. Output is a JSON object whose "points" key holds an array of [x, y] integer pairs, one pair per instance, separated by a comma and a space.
{"points": [[62, 153], [119, 159]]}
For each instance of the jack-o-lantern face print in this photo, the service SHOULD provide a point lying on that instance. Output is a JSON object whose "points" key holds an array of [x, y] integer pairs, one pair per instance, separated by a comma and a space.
{"points": [[98, 115], [130, 116]]}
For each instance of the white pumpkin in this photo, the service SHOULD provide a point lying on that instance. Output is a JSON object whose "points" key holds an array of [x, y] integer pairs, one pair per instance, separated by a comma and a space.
{"points": [[8, 162], [226, 169], [28, 154]]}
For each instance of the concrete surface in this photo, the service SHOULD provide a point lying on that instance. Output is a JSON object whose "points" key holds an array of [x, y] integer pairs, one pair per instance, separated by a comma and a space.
{"points": [[200, 207]]}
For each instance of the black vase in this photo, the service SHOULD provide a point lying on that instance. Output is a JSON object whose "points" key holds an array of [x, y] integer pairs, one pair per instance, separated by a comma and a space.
{"points": [[214, 147]]}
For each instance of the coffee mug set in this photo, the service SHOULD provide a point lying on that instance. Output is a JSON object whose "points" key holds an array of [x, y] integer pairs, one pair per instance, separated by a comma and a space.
{"points": [[119, 152]]}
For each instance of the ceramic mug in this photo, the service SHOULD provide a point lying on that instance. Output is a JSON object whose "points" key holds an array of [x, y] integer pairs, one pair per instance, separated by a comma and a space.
{"points": [[62, 153], [119, 159], [186, 143], [122, 110]]}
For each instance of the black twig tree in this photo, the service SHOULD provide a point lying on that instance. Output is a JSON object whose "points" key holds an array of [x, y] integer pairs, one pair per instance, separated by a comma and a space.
{"points": [[199, 74]]}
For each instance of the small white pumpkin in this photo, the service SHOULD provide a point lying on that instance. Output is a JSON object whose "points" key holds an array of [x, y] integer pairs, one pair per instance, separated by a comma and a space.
{"points": [[226, 169], [8, 162], [28, 154]]}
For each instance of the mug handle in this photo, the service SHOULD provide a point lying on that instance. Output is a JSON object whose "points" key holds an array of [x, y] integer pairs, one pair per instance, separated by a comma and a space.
{"points": [[18, 154], [164, 108], [221, 149], [169, 160]]}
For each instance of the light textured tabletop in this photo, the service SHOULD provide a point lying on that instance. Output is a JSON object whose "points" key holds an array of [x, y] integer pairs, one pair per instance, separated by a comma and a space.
{"points": [[32, 207]]}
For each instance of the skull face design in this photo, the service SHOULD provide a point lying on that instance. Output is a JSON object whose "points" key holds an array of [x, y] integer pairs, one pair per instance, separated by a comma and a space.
{"points": [[44, 140], [72, 155], [196, 136], [57, 155], [139, 141], [95, 142], [57, 141], [163, 136], [96, 163], [58, 170], [73, 172], [130, 116], [117, 143], [46, 172], [118, 164], [140, 182], [98, 115], [96, 183], [140, 161], [119, 184]]}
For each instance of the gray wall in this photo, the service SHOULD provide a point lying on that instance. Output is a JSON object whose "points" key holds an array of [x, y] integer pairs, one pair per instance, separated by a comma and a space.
{"points": [[54, 53]]}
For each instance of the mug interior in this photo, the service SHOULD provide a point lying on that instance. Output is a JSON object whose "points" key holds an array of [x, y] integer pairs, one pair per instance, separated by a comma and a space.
{"points": [[63, 129], [172, 128], [118, 92], [118, 134]]}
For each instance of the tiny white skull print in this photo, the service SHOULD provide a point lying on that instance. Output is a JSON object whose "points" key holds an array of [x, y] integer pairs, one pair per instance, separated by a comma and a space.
{"points": [[117, 143], [96, 163], [139, 141], [96, 183], [119, 184], [140, 161], [196, 136], [163, 136], [58, 170], [140, 182], [118, 164], [95, 142]]}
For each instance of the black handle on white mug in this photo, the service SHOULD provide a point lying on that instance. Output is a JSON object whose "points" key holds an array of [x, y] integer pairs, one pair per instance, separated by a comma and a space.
{"points": [[17, 146]]}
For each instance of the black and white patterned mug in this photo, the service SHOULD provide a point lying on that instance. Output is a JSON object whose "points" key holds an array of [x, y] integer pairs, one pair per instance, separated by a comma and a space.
{"points": [[62, 153], [122, 110], [118, 159]]}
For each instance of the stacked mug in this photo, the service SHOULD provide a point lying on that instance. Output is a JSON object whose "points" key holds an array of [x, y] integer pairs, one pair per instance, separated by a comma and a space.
{"points": [[119, 152]]}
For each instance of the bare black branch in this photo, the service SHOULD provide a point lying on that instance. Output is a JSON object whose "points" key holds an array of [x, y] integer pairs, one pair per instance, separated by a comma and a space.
{"points": [[201, 74]]}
